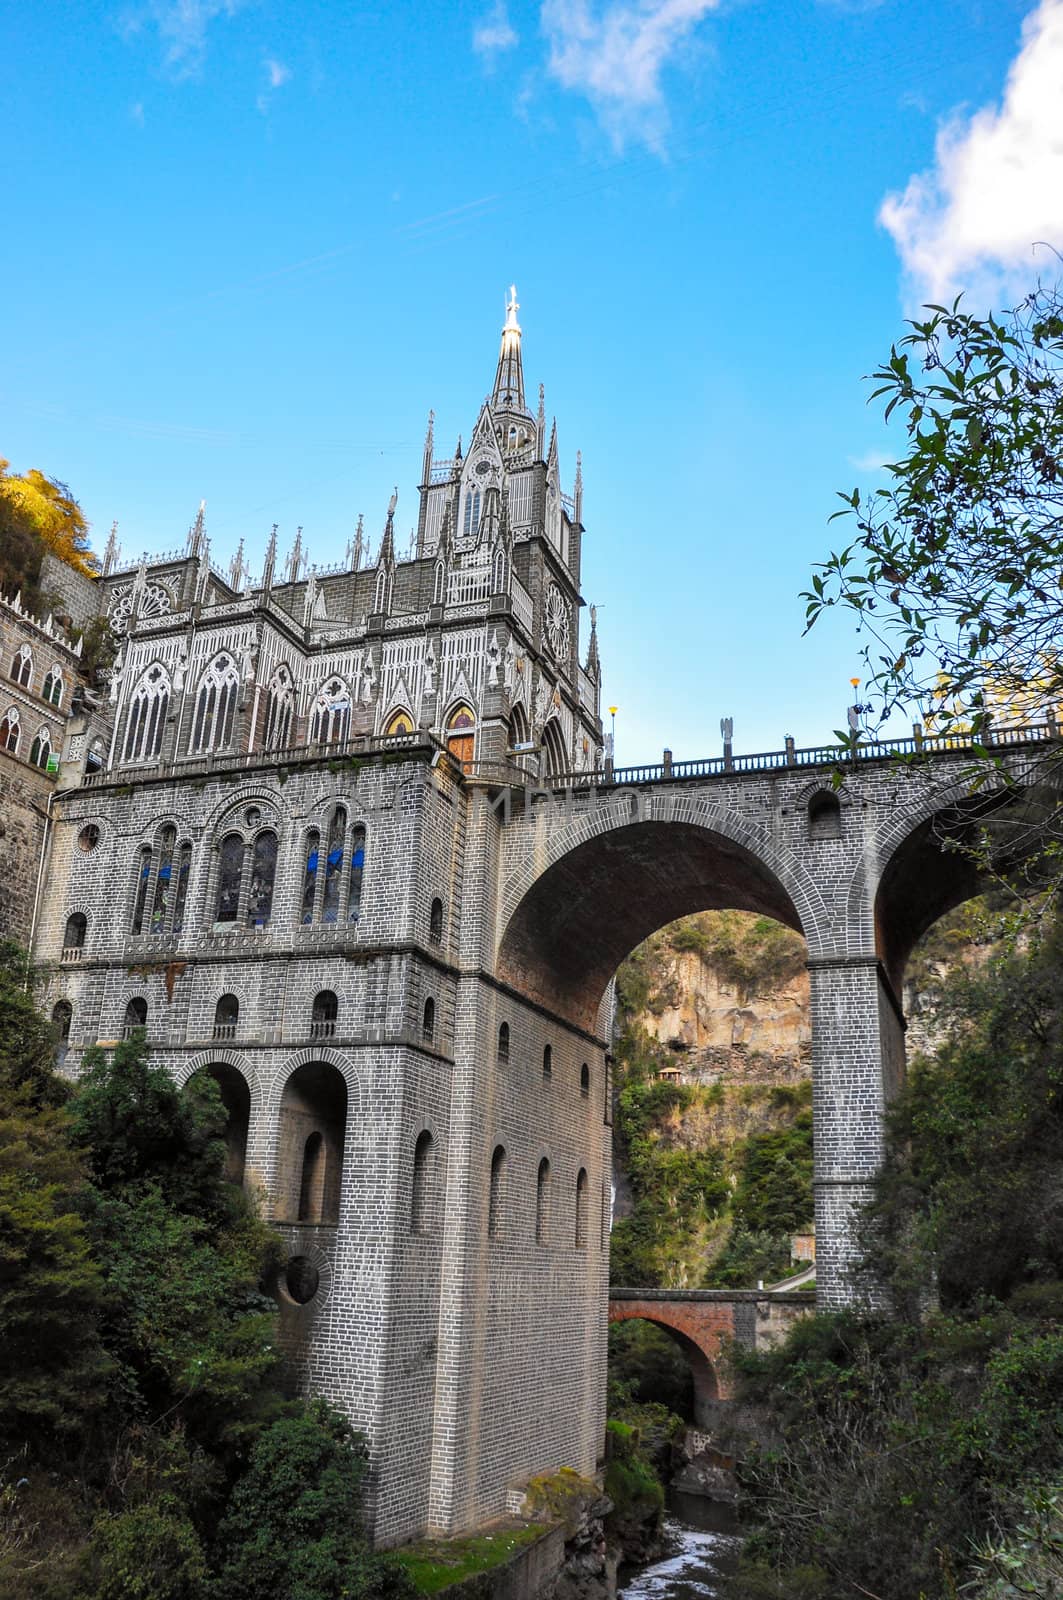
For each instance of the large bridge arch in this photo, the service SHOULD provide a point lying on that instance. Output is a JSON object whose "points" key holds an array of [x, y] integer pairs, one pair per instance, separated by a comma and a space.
{"points": [[589, 890]]}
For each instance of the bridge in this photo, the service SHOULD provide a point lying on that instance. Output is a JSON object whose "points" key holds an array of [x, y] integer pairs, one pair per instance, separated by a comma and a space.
{"points": [[703, 1322]]}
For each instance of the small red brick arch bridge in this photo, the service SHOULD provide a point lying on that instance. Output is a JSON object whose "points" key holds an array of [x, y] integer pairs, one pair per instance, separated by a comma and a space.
{"points": [[704, 1321]]}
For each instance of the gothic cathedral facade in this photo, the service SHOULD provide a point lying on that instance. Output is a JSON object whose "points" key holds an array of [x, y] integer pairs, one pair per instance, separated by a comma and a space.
{"points": [[275, 848]]}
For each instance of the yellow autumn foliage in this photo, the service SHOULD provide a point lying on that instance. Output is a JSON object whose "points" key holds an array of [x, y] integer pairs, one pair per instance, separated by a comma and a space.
{"points": [[52, 512]]}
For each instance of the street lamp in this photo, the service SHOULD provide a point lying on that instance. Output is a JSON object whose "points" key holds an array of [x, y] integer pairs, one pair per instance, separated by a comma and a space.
{"points": [[612, 733]]}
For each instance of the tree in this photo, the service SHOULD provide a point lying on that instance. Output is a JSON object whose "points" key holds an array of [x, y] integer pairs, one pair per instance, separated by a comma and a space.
{"points": [[52, 1369], [294, 1521], [956, 573], [49, 509]]}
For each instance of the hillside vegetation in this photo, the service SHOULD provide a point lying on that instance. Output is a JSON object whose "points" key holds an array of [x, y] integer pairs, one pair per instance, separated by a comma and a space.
{"points": [[714, 1172]]}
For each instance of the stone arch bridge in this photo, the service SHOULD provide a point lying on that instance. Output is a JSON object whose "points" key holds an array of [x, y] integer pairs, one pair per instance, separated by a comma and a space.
{"points": [[703, 1322], [859, 857]]}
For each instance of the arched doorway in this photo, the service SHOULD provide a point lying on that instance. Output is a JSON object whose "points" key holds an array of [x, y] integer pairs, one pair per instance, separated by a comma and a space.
{"points": [[313, 1121], [236, 1098]]}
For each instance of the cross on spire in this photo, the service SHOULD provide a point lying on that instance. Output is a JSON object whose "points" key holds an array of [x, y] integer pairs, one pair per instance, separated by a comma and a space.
{"points": [[508, 392]]}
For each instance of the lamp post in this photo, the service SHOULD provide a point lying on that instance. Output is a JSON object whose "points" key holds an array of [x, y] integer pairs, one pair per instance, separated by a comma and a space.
{"points": [[854, 716], [612, 730]]}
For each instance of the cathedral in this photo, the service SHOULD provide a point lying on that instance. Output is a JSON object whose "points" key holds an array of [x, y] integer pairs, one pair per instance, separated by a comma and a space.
{"points": [[269, 835]]}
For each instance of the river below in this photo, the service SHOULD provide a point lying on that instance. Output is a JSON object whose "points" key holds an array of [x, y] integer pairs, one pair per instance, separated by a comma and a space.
{"points": [[707, 1543]]}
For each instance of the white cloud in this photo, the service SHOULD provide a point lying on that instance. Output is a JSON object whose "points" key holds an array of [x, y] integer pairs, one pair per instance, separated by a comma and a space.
{"points": [[181, 26], [277, 74], [615, 54], [495, 33], [870, 461], [996, 188]]}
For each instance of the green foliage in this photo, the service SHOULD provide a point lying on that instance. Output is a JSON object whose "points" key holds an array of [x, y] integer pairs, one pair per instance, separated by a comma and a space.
{"points": [[152, 1552], [956, 560], [646, 1365], [774, 1192], [434, 1564], [293, 1522], [971, 1195], [1027, 1559], [50, 1285], [630, 1482]]}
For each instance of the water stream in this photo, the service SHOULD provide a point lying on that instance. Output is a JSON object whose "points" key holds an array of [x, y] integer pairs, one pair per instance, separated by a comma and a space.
{"points": [[707, 1546]]}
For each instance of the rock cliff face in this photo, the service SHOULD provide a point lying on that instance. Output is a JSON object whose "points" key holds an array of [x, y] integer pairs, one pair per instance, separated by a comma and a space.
{"points": [[718, 1033], [725, 994]]}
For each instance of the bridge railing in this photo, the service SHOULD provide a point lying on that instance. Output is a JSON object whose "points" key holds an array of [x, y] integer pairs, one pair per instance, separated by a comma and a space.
{"points": [[826, 755]]}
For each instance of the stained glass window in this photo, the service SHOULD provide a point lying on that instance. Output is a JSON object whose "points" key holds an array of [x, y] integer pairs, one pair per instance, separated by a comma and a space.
{"points": [[313, 847], [401, 722], [147, 716], [230, 872], [263, 872], [184, 868], [354, 899], [142, 889], [330, 905], [22, 667], [163, 880], [216, 707]]}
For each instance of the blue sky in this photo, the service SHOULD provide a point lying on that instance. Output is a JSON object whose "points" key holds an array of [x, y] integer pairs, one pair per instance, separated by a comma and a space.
{"points": [[248, 245]]}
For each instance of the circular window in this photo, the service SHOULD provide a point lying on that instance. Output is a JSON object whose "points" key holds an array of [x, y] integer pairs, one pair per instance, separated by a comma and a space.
{"points": [[89, 837], [252, 816], [301, 1279]]}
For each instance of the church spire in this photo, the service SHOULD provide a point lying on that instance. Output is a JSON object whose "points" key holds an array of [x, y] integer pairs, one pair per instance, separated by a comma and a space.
{"points": [[509, 379]]}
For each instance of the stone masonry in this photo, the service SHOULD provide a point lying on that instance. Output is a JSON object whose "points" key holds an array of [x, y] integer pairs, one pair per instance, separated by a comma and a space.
{"points": [[350, 840]]}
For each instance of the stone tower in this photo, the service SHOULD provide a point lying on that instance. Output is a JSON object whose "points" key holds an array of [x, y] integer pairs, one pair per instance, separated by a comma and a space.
{"points": [[283, 865]]}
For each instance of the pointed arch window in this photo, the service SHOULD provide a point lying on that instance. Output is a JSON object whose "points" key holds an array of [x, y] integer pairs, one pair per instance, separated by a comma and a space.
{"points": [[184, 868], [163, 870], [554, 758], [435, 922], [334, 877], [428, 1021], [143, 879], [461, 737], [53, 686], [263, 874], [354, 892], [215, 716], [439, 588], [41, 749], [471, 524], [22, 666], [10, 731], [382, 591], [280, 708], [330, 902], [398, 722], [330, 721], [230, 877], [146, 721], [163, 880], [503, 1043], [313, 851], [500, 568]]}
